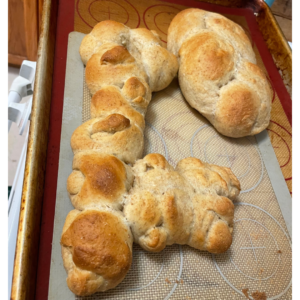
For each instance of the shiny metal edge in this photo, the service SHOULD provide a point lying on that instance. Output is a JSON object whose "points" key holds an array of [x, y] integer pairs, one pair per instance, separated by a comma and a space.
{"points": [[25, 266]]}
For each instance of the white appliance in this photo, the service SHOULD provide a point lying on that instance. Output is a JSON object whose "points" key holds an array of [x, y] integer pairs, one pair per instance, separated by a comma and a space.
{"points": [[18, 113]]}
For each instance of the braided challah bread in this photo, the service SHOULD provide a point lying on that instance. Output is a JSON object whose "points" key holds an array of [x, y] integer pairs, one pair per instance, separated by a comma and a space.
{"points": [[218, 74], [119, 199]]}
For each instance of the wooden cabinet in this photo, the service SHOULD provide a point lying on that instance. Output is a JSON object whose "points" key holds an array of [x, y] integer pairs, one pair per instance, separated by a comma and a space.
{"points": [[24, 17]]}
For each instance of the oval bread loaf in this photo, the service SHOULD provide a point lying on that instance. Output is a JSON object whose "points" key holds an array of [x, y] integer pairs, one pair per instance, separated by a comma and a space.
{"points": [[218, 74]]}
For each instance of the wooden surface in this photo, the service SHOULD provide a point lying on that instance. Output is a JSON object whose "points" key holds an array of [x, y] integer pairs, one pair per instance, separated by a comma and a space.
{"points": [[16, 37], [286, 27], [31, 28], [24, 18], [40, 13], [282, 10]]}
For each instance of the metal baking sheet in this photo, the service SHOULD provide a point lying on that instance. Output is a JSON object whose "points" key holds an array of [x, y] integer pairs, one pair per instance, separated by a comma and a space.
{"points": [[260, 258]]}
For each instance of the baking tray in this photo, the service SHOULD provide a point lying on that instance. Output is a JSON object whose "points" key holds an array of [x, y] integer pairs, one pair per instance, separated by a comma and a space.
{"points": [[260, 258], [33, 253]]}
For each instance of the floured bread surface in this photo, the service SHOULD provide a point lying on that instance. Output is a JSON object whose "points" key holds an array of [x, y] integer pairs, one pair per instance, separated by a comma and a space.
{"points": [[218, 74]]}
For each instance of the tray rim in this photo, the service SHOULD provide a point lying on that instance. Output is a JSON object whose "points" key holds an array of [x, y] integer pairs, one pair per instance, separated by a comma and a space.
{"points": [[39, 154], [74, 73]]}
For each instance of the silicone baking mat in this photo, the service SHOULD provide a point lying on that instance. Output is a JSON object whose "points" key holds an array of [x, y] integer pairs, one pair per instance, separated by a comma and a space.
{"points": [[259, 262], [157, 15]]}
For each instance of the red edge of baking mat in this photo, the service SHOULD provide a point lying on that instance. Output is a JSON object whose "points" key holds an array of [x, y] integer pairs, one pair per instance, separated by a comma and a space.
{"points": [[65, 25]]}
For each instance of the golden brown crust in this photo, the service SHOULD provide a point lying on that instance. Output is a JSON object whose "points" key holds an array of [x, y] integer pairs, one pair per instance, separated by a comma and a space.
{"points": [[97, 245], [116, 55], [214, 61], [95, 248], [138, 93], [163, 207], [98, 74], [219, 238], [108, 31], [110, 100], [154, 240], [123, 67], [186, 206], [191, 21], [83, 283], [218, 74], [238, 107], [127, 144], [98, 179], [160, 65], [111, 51], [209, 178], [133, 88], [111, 124]]}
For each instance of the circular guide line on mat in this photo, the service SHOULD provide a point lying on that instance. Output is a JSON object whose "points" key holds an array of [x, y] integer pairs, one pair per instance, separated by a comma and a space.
{"points": [[258, 279], [282, 127], [227, 155], [249, 161], [168, 7], [160, 271], [107, 12], [179, 275], [161, 138], [286, 144], [152, 281], [150, 144], [165, 130], [289, 241], [262, 171], [125, 2]]}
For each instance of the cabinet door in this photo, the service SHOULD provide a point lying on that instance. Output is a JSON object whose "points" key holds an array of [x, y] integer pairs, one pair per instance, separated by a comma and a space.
{"points": [[23, 30]]}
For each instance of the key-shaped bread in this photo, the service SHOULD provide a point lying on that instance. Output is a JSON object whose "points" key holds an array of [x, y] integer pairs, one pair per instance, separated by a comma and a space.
{"points": [[119, 197]]}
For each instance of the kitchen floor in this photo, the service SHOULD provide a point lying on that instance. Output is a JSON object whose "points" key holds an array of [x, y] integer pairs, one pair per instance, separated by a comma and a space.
{"points": [[282, 10]]}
